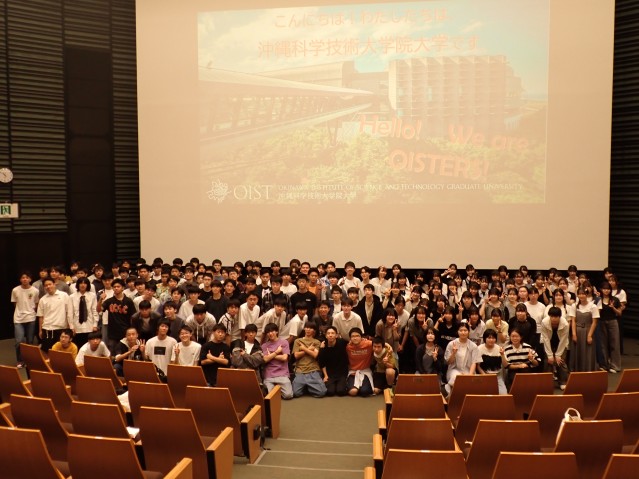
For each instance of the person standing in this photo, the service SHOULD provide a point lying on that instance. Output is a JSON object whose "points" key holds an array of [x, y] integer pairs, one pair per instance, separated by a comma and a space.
{"points": [[118, 312], [55, 313], [25, 299]]}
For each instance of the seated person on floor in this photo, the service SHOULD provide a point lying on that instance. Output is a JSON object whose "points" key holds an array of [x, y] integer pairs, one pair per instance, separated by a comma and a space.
{"points": [[307, 371]]}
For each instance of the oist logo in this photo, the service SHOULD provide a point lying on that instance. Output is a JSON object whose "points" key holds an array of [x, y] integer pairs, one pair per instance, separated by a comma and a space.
{"points": [[219, 191]]}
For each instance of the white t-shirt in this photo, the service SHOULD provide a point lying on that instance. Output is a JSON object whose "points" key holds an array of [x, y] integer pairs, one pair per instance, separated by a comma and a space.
{"points": [[189, 355], [248, 316], [159, 351], [26, 302], [101, 351], [536, 312]]}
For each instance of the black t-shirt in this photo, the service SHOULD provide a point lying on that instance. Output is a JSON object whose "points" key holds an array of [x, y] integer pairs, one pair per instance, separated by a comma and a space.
{"points": [[217, 307], [308, 298], [210, 370], [119, 314]]}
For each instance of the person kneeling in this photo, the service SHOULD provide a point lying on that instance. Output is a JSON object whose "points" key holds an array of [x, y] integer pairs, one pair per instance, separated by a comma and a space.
{"points": [[307, 370], [360, 354], [385, 365]]}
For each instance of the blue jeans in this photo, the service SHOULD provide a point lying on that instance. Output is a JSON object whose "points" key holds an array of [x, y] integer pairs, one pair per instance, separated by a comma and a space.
{"points": [[313, 382], [24, 333]]}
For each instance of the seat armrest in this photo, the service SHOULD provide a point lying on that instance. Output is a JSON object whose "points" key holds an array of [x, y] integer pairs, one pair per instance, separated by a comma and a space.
{"points": [[273, 407], [182, 470]]}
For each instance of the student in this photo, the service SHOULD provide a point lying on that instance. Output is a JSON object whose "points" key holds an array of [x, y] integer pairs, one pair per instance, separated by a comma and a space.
{"points": [[288, 288], [54, 313], [323, 319], [492, 358], [215, 354], [346, 320], [65, 344], [334, 363], [609, 313], [555, 333], [429, 356], [369, 309], [497, 324], [85, 313], [268, 300], [307, 370], [385, 365], [303, 295], [94, 347], [206, 289], [277, 314], [249, 311], [170, 309], [380, 282], [201, 324], [118, 311], [186, 309], [360, 354], [231, 321], [186, 352], [146, 320], [387, 328], [295, 326], [584, 315], [247, 353], [276, 353], [336, 300], [461, 356], [25, 300], [159, 348], [350, 281], [519, 357], [216, 304], [130, 347]]}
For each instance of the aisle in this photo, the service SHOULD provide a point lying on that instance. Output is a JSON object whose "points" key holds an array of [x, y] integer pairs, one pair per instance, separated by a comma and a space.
{"points": [[318, 437]]}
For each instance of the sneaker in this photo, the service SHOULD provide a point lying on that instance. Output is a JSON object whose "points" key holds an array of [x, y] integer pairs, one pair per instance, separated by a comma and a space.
{"points": [[21, 365], [601, 368], [612, 370], [562, 386]]}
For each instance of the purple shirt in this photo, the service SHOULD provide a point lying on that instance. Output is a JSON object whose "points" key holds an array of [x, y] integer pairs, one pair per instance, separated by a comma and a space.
{"points": [[275, 368]]}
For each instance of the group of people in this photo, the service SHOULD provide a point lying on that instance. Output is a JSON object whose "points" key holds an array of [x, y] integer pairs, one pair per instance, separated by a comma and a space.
{"points": [[312, 330]]}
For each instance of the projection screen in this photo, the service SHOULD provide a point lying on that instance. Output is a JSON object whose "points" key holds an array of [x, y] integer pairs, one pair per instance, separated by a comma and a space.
{"points": [[417, 133]]}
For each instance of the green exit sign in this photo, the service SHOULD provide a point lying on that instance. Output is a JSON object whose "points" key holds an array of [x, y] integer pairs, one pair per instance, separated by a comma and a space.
{"points": [[9, 210]]}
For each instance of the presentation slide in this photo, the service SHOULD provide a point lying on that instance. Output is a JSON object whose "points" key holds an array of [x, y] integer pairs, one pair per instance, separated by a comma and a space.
{"points": [[404, 103], [420, 133]]}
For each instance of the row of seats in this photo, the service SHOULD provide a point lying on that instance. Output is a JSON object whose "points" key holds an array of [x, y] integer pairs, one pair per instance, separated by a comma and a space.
{"points": [[501, 420], [88, 458], [243, 384]]}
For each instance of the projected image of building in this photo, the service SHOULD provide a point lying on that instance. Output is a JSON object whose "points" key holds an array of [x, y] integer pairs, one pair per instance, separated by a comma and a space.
{"points": [[474, 91]]}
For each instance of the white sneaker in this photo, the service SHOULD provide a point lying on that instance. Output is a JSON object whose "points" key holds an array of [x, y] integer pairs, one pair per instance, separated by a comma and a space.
{"points": [[562, 386], [613, 371]]}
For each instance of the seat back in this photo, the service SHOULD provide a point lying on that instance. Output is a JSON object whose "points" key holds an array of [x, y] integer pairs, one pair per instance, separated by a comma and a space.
{"points": [[624, 406], [491, 437], [525, 388], [469, 384], [591, 385], [592, 442], [141, 371], [24, 454], [185, 440], [93, 457], [629, 381], [244, 389], [34, 358], [148, 394], [417, 384], [427, 406], [64, 364], [402, 463], [549, 411], [98, 390], [478, 407], [94, 419], [101, 367], [533, 465], [202, 401], [179, 377], [51, 385], [432, 434], [622, 466], [39, 413], [11, 383]]}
